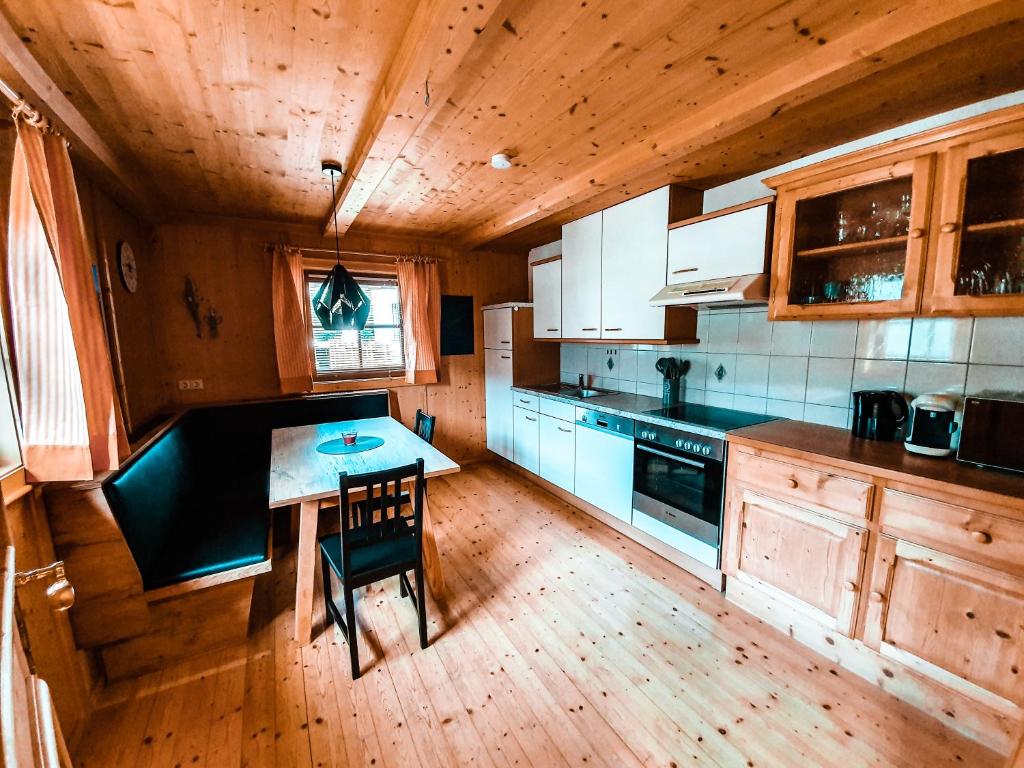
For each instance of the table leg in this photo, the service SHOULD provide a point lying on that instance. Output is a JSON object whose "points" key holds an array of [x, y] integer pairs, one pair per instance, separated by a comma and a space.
{"points": [[431, 559], [305, 571]]}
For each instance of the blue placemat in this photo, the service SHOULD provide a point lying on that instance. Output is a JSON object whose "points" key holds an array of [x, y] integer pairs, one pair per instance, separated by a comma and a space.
{"points": [[363, 443]]}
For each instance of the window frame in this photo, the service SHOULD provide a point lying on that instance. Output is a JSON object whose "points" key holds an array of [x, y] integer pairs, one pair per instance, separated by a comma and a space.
{"points": [[359, 374]]}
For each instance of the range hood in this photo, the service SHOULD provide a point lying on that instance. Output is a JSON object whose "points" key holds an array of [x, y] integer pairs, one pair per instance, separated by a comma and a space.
{"points": [[722, 291], [719, 258]]}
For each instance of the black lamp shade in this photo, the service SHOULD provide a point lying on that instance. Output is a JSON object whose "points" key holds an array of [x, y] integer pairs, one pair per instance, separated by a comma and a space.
{"points": [[340, 303]]}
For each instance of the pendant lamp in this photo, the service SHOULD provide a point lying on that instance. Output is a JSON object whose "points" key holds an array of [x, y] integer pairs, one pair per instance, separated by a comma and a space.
{"points": [[339, 303]]}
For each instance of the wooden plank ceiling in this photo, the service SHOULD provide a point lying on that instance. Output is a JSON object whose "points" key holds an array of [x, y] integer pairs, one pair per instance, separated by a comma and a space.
{"points": [[228, 106]]}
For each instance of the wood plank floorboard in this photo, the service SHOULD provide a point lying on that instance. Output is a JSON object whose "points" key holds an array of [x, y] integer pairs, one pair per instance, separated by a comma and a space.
{"points": [[561, 643]]}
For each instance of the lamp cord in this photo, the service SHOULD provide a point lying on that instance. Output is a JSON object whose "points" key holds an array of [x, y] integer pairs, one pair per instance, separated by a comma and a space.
{"points": [[334, 207]]}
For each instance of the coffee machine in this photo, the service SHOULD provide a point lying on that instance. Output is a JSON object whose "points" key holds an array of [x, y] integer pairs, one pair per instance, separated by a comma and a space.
{"points": [[934, 421], [878, 414]]}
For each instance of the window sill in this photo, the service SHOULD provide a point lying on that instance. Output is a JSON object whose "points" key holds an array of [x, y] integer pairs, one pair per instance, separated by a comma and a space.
{"points": [[352, 385]]}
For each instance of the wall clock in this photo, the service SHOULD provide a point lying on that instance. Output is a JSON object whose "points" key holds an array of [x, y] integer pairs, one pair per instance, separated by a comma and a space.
{"points": [[127, 267]]}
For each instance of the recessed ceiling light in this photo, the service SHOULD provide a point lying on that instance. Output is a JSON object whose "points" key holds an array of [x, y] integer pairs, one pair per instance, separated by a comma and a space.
{"points": [[501, 161]]}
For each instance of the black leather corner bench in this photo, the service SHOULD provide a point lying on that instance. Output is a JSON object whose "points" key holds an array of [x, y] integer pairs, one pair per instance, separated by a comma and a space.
{"points": [[193, 502]]}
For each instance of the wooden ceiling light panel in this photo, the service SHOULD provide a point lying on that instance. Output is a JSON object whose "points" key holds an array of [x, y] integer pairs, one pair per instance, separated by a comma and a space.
{"points": [[229, 106]]}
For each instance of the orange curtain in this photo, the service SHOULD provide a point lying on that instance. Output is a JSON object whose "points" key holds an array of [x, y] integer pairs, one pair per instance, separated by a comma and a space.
{"points": [[290, 337], [70, 415], [419, 285]]}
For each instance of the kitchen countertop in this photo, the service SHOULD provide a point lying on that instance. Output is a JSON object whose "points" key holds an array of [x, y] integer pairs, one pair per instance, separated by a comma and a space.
{"points": [[884, 459], [617, 404]]}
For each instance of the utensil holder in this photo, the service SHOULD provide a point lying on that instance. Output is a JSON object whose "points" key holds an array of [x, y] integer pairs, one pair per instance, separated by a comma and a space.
{"points": [[670, 392]]}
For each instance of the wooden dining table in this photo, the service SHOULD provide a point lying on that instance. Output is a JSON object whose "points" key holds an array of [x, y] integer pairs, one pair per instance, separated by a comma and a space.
{"points": [[302, 476]]}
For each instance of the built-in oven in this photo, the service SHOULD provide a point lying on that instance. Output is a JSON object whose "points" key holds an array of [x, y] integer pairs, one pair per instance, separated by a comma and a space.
{"points": [[678, 493]]}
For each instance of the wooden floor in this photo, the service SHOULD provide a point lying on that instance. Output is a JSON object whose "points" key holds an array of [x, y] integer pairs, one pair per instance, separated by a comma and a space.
{"points": [[562, 644]]}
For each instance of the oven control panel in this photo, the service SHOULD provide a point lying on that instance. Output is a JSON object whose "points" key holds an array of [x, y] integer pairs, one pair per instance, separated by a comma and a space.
{"points": [[695, 445]]}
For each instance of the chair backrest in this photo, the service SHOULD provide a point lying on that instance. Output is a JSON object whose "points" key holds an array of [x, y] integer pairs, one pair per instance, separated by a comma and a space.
{"points": [[379, 517], [425, 426]]}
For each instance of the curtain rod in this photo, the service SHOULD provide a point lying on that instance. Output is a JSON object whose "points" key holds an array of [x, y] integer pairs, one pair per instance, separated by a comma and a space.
{"points": [[33, 115], [346, 252]]}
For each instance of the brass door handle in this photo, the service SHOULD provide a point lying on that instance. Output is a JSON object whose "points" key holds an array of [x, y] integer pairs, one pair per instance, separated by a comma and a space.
{"points": [[60, 594], [948, 227], [916, 233]]}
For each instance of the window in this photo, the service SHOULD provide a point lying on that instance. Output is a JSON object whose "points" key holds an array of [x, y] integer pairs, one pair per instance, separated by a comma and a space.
{"points": [[377, 350]]}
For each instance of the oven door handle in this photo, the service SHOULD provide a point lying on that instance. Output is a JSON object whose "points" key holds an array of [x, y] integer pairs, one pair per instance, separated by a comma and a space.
{"points": [[672, 456]]}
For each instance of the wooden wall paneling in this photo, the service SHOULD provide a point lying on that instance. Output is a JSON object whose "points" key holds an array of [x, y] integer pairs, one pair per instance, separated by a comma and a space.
{"points": [[109, 600]]}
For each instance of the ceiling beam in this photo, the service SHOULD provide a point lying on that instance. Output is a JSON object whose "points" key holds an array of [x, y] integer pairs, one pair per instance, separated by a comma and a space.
{"points": [[432, 50], [26, 74], [909, 30]]}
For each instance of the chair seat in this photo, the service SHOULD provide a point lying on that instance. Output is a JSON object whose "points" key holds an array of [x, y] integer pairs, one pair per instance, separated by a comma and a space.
{"points": [[369, 559]]}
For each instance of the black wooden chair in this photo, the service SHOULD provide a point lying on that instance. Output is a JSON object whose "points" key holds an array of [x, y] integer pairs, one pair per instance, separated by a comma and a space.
{"points": [[425, 426], [373, 546]]}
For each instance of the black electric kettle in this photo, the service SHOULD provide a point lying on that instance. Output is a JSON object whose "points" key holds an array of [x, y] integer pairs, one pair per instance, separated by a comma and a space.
{"points": [[877, 415]]}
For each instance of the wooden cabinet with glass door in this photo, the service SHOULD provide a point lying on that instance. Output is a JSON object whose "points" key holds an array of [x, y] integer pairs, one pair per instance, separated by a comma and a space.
{"points": [[853, 245], [979, 252]]}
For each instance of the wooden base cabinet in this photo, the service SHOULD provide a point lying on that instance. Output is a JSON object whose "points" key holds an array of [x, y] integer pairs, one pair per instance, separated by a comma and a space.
{"points": [[804, 557], [903, 582], [957, 622]]}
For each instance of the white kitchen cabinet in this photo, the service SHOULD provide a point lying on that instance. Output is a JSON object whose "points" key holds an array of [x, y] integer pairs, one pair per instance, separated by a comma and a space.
{"points": [[604, 471], [547, 300], [557, 457], [634, 254], [581, 278], [722, 246], [498, 403], [526, 439], [498, 328]]}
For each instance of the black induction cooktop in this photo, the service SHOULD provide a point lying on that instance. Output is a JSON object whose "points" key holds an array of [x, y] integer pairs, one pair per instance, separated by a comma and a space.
{"points": [[709, 417]]}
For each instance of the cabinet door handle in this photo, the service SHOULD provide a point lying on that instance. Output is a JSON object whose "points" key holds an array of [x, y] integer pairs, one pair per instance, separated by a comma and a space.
{"points": [[524, 402], [850, 586], [564, 429], [530, 418], [685, 269], [504, 342], [552, 330], [506, 357], [792, 482], [613, 329], [588, 329], [982, 537], [948, 227], [916, 233], [876, 597]]}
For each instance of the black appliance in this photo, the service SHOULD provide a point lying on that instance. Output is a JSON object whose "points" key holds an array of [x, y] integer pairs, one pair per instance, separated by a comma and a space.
{"points": [[878, 414], [990, 431], [679, 481]]}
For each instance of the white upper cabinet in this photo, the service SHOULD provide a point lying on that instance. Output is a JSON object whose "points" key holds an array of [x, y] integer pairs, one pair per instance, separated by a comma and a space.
{"points": [[723, 246], [498, 328], [547, 300], [634, 254], [581, 278]]}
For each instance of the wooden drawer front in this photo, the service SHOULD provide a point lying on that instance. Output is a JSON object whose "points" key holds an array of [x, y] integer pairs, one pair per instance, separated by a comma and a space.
{"points": [[802, 485], [809, 558], [558, 409], [949, 619], [524, 400], [977, 536]]}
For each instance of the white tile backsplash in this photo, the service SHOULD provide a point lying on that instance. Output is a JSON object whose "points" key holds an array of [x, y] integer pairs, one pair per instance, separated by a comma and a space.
{"points": [[807, 370]]}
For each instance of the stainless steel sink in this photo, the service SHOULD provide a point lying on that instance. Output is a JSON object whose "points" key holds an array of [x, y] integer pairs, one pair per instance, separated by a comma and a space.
{"points": [[584, 393], [568, 390]]}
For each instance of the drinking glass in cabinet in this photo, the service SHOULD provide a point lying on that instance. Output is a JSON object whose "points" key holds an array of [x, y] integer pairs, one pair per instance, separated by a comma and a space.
{"points": [[851, 246], [991, 257]]}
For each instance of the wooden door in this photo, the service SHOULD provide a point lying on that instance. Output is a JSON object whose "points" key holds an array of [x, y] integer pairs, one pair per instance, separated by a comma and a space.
{"points": [[581, 277], [634, 256], [498, 401], [978, 267], [959, 623], [498, 328], [811, 561], [547, 300], [29, 733], [853, 246]]}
